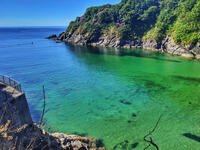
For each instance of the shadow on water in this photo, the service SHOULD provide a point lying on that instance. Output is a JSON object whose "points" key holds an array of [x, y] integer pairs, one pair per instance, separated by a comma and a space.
{"points": [[151, 84], [134, 115], [64, 92], [36, 114], [80, 134], [191, 79], [119, 52], [125, 102], [34, 97], [100, 143], [192, 136], [125, 145], [134, 145]]}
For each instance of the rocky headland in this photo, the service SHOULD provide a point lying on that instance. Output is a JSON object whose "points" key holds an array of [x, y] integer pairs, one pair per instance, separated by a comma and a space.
{"points": [[166, 25]]}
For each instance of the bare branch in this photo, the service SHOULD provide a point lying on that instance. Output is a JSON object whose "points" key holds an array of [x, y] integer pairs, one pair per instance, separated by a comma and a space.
{"points": [[42, 117], [150, 136]]}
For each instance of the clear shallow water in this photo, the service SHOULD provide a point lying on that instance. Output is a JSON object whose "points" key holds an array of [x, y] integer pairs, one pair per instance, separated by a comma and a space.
{"points": [[116, 95]]}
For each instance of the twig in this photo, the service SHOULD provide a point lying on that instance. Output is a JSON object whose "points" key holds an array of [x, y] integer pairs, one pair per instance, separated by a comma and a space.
{"points": [[41, 120], [33, 140], [150, 136]]}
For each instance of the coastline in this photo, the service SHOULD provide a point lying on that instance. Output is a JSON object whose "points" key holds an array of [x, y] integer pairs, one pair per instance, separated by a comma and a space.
{"points": [[166, 45]]}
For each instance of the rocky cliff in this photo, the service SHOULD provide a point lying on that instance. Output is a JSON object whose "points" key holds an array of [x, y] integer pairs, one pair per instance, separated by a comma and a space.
{"points": [[18, 132], [13, 107], [167, 45]]}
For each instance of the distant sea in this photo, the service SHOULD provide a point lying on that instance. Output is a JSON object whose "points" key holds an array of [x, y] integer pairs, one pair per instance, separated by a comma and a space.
{"points": [[116, 95]]}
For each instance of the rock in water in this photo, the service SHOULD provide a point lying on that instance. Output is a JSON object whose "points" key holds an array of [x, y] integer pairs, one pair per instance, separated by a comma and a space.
{"points": [[54, 37]]}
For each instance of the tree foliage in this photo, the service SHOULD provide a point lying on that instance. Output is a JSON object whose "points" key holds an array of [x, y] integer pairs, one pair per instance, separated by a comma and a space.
{"points": [[137, 19]]}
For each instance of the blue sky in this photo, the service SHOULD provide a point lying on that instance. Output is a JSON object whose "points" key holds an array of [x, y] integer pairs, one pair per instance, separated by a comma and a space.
{"points": [[44, 12]]}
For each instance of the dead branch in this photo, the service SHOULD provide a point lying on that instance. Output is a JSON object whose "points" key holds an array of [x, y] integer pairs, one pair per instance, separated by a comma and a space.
{"points": [[151, 142], [33, 140], [42, 117]]}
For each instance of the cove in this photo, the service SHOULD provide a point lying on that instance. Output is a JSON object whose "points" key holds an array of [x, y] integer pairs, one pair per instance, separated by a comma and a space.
{"points": [[116, 95]]}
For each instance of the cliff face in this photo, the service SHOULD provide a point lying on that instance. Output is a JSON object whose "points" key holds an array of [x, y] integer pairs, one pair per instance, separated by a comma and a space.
{"points": [[167, 45], [13, 107], [18, 132], [171, 26]]}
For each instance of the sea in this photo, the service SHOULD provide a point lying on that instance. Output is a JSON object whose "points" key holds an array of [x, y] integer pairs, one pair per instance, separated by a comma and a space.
{"points": [[115, 95]]}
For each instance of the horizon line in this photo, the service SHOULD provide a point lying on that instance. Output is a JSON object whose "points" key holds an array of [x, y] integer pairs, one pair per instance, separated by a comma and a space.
{"points": [[35, 26]]}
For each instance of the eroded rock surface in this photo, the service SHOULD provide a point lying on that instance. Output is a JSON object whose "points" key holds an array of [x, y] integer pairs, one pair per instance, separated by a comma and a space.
{"points": [[33, 137]]}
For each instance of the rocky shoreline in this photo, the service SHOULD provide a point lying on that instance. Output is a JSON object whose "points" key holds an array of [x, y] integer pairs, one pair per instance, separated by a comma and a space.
{"points": [[167, 45], [34, 138], [19, 132]]}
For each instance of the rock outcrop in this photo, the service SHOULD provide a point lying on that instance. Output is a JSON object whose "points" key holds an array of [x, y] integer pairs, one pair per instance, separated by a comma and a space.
{"points": [[18, 132], [13, 107], [32, 137]]}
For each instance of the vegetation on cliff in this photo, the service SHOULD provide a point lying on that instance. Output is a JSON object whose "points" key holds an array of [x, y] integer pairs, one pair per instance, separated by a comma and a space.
{"points": [[141, 19]]}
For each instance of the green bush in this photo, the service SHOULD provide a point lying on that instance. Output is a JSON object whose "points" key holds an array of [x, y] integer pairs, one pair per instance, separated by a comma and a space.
{"points": [[187, 27]]}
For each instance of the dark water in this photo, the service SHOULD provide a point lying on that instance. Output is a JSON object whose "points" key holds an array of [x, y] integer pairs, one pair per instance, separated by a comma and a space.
{"points": [[116, 95]]}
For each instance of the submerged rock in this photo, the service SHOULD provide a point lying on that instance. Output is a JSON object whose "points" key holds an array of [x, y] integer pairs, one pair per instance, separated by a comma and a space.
{"points": [[125, 102], [121, 146], [134, 115], [134, 145]]}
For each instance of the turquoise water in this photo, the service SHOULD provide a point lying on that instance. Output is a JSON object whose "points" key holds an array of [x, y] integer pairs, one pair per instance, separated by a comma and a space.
{"points": [[116, 95]]}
